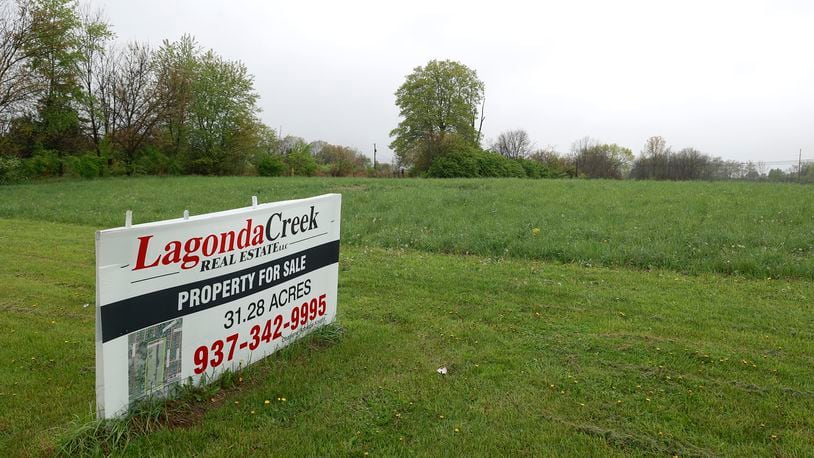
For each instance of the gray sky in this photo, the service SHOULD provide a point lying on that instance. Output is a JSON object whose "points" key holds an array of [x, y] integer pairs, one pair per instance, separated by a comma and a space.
{"points": [[730, 78]]}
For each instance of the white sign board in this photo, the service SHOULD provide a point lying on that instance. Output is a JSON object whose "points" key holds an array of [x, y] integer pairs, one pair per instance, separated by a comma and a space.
{"points": [[184, 299]]}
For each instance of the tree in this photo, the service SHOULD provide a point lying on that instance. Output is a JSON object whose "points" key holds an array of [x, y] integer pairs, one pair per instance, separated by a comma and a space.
{"points": [[300, 161], [224, 106], [655, 157], [601, 160], [513, 144], [557, 165], [54, 58], [176, 64], [209, 115], [435, 101], [777, 175], [138, 106], [341, 160], [17, 86], [94, 33]]}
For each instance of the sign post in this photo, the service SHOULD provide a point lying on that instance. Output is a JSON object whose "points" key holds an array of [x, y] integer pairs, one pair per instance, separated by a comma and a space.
{"points": [[184, 299]]}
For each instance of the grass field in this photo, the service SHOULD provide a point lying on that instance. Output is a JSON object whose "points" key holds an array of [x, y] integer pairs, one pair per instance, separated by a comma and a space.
{"points": [[752, 229], [590, 357]]}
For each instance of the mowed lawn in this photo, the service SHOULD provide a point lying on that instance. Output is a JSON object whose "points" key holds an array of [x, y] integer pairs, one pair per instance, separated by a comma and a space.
{"points": [[596, 357]]}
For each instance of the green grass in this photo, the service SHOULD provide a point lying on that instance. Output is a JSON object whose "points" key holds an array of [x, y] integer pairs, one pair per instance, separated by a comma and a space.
{"points": [[544, 358], [757, 230]]}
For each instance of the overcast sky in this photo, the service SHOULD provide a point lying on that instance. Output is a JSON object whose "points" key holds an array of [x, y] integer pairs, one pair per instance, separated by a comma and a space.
{"points": [[730, 78]]}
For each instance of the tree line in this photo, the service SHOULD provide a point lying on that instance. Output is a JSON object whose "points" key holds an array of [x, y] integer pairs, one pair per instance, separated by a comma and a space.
{"points": [[74, 102], [442, 106]]}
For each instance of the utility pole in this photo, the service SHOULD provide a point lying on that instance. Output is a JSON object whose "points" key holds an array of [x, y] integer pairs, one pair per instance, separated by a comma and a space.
{"points": [[374, 157]]}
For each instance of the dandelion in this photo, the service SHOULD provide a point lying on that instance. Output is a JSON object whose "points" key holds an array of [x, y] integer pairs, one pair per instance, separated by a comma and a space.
{"points": [[535, 232], [457, 430], [266, 402]]}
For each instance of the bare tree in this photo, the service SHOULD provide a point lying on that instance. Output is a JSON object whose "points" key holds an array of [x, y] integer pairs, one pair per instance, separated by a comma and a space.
{"points": [[138, 106], [482, 118], [513, 144], [17, 86], [94, 33], [583, 144], [104, 90]]}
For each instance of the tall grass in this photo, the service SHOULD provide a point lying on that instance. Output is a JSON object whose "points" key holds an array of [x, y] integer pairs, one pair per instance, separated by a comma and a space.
{"points": [[757, 230]]}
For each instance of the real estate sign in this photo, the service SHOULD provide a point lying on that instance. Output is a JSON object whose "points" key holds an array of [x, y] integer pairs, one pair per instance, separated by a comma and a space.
{"points": [[184, 299]]}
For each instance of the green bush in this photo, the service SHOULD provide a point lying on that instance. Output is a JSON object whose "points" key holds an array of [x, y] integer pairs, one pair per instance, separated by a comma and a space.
{"points": [[534, 169], [473, 163], [300, 162], [44, 163], [151, 161], [455, 165], [271, 165], [496, 165], [11, 169], [85, 166]]}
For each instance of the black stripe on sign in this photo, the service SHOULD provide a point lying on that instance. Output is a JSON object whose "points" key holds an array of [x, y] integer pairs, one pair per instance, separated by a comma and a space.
{"points": [[138, 312]]}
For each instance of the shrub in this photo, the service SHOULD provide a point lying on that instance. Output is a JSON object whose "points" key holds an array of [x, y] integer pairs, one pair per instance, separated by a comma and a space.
{"points": [[11, 169], [85, 166], [151, 161], [474, 162], [534, 169], [497, 165], [271, 165], [44, 163], [455, 165], [300, 162]]}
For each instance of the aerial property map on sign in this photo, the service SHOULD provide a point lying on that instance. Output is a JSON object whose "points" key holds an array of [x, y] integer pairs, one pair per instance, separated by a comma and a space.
{"points": [[182, 300]]}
